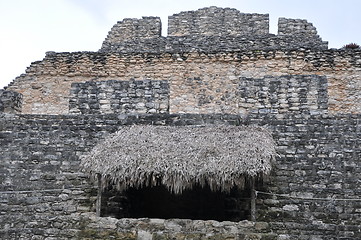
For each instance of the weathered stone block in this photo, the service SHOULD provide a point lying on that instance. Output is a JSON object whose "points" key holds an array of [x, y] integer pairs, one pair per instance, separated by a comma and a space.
{"points": [[10, 101]]}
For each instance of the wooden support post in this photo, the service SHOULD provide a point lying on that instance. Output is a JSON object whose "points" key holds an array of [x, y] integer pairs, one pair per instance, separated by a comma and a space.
{"points": [[99, 196], [253, 200]]}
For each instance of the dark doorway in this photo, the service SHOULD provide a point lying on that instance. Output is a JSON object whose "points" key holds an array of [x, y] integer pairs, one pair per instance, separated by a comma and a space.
{"points": [[199, 203]]}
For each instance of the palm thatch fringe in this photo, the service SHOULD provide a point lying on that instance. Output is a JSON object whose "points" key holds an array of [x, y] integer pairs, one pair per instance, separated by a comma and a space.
{"points": [[180, 157]]}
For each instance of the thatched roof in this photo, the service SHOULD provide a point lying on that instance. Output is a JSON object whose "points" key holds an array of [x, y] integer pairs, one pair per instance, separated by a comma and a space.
{"points": [[179, 157]]}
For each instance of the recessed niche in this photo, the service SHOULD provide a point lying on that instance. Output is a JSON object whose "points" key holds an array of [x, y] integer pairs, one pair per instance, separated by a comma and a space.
{"points": [[198, 203]]}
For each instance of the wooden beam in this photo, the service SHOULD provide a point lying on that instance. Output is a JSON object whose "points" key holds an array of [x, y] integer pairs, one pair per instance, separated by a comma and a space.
{"points": [[253, 200], [99, 196]]}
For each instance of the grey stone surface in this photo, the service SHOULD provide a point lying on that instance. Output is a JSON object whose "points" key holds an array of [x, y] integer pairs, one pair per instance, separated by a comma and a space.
{"points": [[211, 29], [135, 96], [300, 94], [215, 21], [288, 26], [225, 43], [312, 193], [131, 28], [10, 101], [318, 158]]}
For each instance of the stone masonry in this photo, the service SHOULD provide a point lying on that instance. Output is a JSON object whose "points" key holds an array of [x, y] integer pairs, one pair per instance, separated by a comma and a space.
{"points": [[216, 66], [128, 29], [215, 21], [10, 102], [46, 196], [220, 73], [119, 97], [297, 94]]}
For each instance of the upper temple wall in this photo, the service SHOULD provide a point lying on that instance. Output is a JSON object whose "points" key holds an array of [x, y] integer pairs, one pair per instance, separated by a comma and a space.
{"points": [[198, 82], [132, 28], [296, 27], [215, 21], [208, 30]]}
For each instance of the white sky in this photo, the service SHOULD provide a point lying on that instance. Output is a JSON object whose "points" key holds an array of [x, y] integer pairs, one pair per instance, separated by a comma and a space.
{"points": [[29, 28]]}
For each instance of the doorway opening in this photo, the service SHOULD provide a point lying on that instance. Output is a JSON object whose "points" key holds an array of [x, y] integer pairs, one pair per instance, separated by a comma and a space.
{"points": [[198, 203]]}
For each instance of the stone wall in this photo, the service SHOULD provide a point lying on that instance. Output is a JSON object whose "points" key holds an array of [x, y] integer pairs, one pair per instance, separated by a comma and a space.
{"points": [[39, 162], [132, 28], [298, 27], [211, 29], [43, 191], [308, 96], [198, 82], [289, 26], [296, 94], [224, 43], [154, 229], [309, 194], [141, 96], [318, 171], [215, 21], [10, 102]]}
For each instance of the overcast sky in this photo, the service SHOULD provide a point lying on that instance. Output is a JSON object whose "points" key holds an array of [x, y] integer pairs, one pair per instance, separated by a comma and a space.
{"points": [[29, 28]]}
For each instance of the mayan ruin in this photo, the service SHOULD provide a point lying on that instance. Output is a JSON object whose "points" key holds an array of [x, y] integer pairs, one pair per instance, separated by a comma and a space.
{"points": [[219, 130]]}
